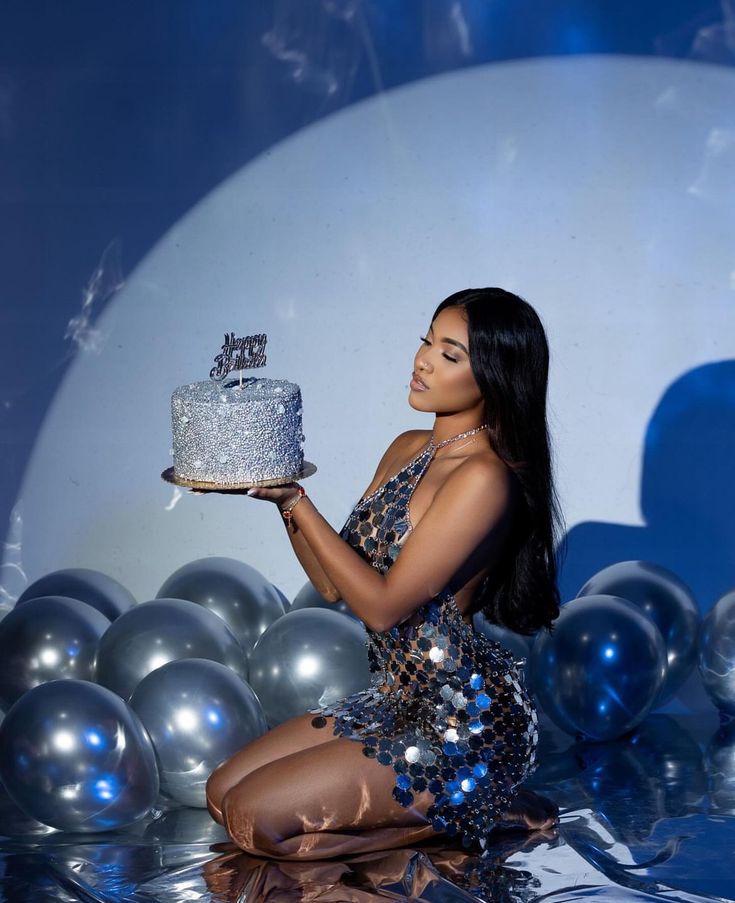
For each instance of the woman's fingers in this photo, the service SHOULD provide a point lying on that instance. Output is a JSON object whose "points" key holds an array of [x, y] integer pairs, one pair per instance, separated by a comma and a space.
{"points": [[273, 494], [263, 492]]}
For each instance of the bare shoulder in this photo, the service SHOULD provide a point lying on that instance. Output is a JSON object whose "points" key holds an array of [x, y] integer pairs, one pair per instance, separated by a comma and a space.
{"points": [[404, 446], [410, 439], [482, 472], [398, 453]]}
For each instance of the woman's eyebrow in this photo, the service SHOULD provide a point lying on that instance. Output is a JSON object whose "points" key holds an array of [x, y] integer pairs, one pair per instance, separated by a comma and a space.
{"points": [[451, 341], [455, 342]]}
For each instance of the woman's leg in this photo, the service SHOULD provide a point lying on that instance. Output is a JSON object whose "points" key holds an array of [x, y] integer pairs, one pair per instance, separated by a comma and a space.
{"points": [[298, 734], [286, 738], [325, 801]]}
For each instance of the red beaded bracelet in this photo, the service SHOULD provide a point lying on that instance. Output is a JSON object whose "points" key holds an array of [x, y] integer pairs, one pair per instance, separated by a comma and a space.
{"points": [[286, 512]]}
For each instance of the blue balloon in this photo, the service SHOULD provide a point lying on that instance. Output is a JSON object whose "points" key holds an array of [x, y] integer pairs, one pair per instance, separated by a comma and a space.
{"points": [[74, 756], [93, 587], [49, 638], [598, 673], [717, 653], [667, 601]]}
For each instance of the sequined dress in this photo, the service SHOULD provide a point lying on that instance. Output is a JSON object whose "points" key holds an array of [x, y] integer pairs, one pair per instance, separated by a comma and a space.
{"points": [[445, 708]]}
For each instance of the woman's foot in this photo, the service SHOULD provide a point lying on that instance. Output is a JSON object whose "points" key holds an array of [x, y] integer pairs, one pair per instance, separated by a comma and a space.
{"points": [[530, 810]]}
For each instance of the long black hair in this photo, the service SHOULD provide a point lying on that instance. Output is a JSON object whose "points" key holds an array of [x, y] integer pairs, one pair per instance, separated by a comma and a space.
{"points": [[509, 356]]}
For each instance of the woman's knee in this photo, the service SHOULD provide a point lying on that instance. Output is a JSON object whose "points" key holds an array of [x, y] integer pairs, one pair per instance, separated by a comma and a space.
{"points": [[292, 736], [248, 823], [217, 786], [225, 776]]}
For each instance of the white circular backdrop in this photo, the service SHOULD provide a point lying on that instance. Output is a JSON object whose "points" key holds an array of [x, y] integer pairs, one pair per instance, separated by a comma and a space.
{"points": [[599, 188]]}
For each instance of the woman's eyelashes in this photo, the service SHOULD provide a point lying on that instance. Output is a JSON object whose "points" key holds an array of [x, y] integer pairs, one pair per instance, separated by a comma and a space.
{"points": [[447, 356]]}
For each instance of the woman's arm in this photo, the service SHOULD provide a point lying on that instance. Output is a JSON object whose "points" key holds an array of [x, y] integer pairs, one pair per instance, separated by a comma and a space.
{"points": [[470, 508], [314, 571]]}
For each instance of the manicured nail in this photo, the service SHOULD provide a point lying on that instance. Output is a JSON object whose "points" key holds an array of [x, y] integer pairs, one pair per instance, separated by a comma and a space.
{"points": [[251, 492]]}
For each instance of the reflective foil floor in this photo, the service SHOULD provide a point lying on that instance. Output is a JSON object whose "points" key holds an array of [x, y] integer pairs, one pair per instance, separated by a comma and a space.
{"points": [[648, 817]]}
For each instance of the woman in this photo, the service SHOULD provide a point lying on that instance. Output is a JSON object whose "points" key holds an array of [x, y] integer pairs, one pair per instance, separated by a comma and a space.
{"points": [[442, 739]]}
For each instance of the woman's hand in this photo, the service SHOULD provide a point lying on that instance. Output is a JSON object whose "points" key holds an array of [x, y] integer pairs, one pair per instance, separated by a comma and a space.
{"points": [[281, 495]]}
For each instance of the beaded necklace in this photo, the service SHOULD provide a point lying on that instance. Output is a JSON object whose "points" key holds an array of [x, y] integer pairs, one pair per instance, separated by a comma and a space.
{"points": [[427, 451]]}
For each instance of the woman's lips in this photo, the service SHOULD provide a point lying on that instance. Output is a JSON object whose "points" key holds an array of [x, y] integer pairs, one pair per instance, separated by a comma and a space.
{"points": [[417, 385]]}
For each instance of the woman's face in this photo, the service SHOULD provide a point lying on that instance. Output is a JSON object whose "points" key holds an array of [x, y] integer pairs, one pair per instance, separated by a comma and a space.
{"points": [[442, 364]]}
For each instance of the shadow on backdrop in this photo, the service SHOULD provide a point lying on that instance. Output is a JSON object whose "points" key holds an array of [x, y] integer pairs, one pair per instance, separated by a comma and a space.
{"points": [[687, 498]]}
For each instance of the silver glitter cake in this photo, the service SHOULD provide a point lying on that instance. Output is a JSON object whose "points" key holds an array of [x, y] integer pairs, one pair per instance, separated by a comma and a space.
{"points": [[226, 434]]}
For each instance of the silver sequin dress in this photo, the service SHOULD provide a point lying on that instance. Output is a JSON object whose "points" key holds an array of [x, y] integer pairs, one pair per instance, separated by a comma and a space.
{"points": [[446, 708]]}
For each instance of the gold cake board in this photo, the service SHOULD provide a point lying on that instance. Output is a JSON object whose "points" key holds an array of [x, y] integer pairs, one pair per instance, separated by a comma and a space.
{"points": [[306, 471]]}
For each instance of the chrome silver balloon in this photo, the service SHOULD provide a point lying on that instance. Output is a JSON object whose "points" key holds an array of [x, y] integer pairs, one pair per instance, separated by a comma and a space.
{"points": [[197, 713], [16, 823], [667, 601], [245, 600], [600, 670], [307, 658], [308, 597], [161, 631], [49, 638], [285, 601], [717, 653], [99, 590], [74, 756]]}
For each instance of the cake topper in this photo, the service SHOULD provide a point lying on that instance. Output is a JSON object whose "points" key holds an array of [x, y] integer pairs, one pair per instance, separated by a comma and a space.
{"points": [[239, 354]]}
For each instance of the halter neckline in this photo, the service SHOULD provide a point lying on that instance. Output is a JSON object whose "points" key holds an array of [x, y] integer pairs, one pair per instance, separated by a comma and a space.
{"points": [[458, 436], [428, 453]]}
